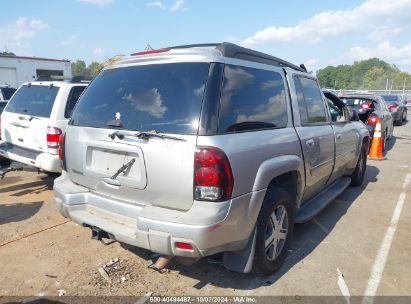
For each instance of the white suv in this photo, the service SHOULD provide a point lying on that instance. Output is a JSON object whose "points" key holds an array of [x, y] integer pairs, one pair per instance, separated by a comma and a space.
{"points": [[33, 120]]}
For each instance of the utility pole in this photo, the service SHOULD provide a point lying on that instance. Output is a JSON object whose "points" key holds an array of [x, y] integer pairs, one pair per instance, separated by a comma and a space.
{"points": [[403, 88], [392, 83], [335, 84], [386, 86]]}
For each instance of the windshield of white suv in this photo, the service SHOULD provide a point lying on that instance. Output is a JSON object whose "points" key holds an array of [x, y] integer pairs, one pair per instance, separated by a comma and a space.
{"points": [[33, 100], [162, 97]]}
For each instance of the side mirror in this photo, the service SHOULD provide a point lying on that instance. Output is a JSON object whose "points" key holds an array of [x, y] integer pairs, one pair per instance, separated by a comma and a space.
{"points": [[354, 115]]}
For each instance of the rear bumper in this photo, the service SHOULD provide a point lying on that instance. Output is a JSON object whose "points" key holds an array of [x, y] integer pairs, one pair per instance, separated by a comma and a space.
{"points": [[44, 161], [209, 227]]}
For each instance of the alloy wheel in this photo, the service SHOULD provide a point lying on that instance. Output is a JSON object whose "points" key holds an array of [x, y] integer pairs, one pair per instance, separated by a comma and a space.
{"points": [[276, 232]]}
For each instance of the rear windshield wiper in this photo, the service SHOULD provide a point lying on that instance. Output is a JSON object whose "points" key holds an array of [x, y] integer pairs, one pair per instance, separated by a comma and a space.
{"points": [[142, 135], [113, 180], [116, 123]]}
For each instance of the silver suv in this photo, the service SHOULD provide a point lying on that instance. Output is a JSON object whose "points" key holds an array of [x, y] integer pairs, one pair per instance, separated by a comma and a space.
{"points": [[195, 150]]}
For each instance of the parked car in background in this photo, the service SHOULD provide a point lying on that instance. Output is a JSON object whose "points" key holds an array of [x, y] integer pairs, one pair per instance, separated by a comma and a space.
{"points": [[397, 107], [371, 110], [33, 120], [3, 161], [6, 92], [196, 150]]}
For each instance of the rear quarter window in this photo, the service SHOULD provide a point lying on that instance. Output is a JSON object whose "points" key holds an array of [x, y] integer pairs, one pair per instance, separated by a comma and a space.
{"points": [[7, 93], [73, 97], [33, 100], [251, 99], [2, 106]]}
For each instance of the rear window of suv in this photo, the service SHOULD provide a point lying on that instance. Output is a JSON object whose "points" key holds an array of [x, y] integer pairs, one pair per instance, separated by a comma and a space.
{"points": [[391, 98], [33, 100], [356, 102], [162, 97]]}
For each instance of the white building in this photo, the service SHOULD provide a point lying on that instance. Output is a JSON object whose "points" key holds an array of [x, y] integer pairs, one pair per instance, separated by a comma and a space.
{"points": [[16, 70]]}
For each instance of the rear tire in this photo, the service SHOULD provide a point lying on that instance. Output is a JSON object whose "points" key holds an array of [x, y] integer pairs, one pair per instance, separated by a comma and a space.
{"points": [[357, 177], [384, 140], [274, 230]]}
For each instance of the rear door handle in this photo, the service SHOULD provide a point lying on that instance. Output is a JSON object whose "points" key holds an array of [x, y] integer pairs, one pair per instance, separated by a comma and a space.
{"points": [[338, 136], [112, 182], [310, 143]]}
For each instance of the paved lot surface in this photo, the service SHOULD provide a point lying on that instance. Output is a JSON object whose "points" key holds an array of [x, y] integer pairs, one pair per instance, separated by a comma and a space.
{"points": [[353, 246]]}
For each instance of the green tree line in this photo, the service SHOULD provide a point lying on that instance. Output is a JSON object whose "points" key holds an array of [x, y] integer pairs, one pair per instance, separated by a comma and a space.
{"points": [[79, 68], [372, 74], [7, 53]]}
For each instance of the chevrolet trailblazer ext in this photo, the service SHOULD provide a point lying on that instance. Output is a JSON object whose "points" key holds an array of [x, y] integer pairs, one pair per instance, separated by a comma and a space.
{"points": [[195, 150]]}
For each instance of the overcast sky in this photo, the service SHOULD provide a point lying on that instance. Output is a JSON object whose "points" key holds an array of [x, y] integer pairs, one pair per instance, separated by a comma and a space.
{"points": [[317, 33]]}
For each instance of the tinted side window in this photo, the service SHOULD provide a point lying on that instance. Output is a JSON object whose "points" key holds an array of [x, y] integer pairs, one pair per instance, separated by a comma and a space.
{"points": [[301, 102], [313, 100], [33, 100], [251, 99], [2, 106], [7, 93], [383, 105], [72, 100], [337, 113]]}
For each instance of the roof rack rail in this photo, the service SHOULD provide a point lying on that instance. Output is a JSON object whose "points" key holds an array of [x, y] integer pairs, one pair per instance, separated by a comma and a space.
{"points": [[186, 46], [76, 79], [232, 50], [73, 79]]}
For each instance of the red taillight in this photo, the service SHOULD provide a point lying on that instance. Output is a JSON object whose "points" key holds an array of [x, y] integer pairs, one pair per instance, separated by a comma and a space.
{"points": [[213, 178], [53, 137], [150, 52], [373, 120], [61, 151], [184, 246], [393, 106], [61, 147]]}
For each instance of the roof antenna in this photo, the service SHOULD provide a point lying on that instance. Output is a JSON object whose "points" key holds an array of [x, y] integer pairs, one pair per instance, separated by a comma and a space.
{"points": [[148, 48], [303, 67]]}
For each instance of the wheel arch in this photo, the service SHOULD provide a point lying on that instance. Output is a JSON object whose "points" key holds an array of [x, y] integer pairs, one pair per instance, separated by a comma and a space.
{"points": [[285, 171]]}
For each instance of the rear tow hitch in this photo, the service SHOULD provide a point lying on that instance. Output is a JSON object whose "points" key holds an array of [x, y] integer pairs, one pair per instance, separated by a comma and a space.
{"points": [[4, 171], [161, 263], [102, 236], [17, 167]]}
